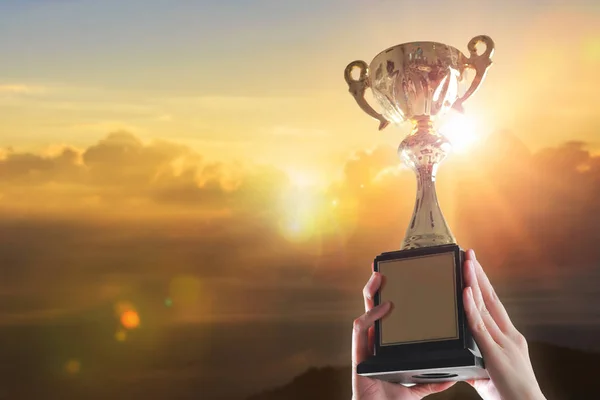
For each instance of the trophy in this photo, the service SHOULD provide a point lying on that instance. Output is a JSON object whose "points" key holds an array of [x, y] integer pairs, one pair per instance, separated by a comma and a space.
{"points": [[425, 337]]}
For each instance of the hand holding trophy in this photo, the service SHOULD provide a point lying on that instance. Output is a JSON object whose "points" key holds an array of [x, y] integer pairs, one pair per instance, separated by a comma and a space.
{"points": [[428, 337], [425, 338]]}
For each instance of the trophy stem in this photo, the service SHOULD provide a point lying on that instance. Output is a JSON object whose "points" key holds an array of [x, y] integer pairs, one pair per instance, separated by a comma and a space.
{"points": [[423, 151]]}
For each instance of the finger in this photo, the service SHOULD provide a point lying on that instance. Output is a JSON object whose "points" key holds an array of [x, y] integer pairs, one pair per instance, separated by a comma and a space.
{"points": [[370, 289], [422, 390], [472, 281], [470, 255], [491, 300], [360, 337], [478, 384], [478, 328]]}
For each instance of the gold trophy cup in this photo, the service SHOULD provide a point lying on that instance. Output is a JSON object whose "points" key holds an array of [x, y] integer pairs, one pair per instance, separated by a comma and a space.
{"points": [[425, 338]]}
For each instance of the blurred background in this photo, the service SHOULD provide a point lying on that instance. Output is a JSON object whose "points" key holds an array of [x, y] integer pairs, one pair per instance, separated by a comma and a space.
{"points": [[190, 199]]}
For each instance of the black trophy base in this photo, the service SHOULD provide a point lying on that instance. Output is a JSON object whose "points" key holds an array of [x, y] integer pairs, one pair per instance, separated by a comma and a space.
{"points": [[460, 365], [425, 337]]}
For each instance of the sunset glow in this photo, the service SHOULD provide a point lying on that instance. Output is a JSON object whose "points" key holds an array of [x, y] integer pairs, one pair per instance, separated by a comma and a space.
{"points": [[189, 192]]}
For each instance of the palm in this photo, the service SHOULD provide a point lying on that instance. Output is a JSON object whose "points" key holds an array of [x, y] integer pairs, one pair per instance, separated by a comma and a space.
{"points": [[486, 389], [374, 389]]}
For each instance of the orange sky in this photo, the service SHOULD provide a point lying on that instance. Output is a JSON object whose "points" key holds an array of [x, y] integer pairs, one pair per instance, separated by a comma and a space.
{"points": [[201, 164], [283, 105], [140, 119]]}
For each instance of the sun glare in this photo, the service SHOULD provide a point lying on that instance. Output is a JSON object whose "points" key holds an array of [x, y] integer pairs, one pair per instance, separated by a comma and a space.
{"points": [[298, 220], [305, 176], [461, 130]]}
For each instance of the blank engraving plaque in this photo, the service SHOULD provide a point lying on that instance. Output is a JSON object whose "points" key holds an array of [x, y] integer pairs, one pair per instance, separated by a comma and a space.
{"points": [[423, 293]]}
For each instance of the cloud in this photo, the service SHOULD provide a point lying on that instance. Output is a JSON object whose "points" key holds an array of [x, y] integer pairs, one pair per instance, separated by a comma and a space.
{"points": [[121, 168], [21, 89], [122, 218]]}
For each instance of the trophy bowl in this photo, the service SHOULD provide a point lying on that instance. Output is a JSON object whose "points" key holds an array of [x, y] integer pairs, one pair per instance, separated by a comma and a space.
{"points": [[418, 80]]}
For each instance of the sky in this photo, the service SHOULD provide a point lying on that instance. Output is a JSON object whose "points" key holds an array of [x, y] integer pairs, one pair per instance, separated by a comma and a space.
{"points": [[187, 183], [237, 80]]}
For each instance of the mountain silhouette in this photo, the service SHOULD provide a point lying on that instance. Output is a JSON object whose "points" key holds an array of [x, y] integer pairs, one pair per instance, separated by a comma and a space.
{"points": [[562, 373]]}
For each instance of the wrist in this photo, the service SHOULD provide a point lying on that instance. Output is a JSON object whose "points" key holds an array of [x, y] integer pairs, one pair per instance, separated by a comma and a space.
{"points": [[534, 394]]}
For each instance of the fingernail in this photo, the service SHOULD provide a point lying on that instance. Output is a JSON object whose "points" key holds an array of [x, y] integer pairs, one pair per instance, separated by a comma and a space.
{"points": [[470, 292], [473, 254]]}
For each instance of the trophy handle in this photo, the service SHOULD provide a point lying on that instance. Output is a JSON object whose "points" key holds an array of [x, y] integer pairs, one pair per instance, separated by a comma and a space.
{"points": [[480, 63], [358, 87]]}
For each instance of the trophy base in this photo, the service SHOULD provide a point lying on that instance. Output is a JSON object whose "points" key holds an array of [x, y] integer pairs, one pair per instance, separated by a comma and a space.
{"points": [[425, 337], [459, 365]]}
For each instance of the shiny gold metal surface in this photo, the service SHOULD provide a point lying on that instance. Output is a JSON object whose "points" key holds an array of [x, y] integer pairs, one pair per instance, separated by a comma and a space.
{"points": [[417, 82]]}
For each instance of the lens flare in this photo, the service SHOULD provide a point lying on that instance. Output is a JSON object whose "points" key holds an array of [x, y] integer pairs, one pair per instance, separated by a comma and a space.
{"points": [[130, 319], [121, 335], [127, 314], [73, 366]]}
